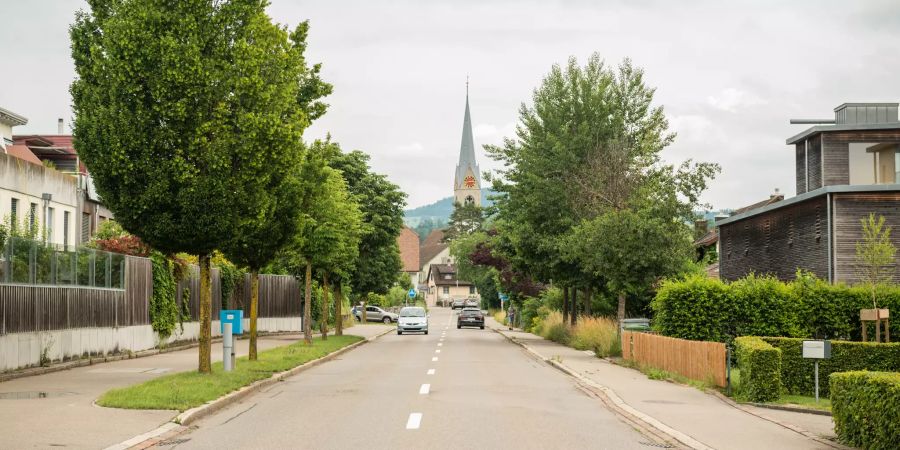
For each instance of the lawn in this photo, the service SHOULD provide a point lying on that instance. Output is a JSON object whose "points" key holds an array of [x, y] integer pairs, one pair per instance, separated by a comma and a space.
{"points": [[802, 401], [185, 390]]}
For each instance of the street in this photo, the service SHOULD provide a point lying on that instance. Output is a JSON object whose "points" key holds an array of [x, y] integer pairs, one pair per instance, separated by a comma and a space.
{"points": [[453, 388]]}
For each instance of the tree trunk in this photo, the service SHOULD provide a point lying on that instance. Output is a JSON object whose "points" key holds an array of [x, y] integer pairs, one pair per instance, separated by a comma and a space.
{"points": [[323, 320], [307, 306], [620, 314], [588, 297], [254, 311], [338, 304], [205, 364], [574, 315], [565, 305]]}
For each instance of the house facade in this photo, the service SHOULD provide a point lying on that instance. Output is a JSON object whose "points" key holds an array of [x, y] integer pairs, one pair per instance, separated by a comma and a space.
{"points": [[444, 285], [408, 242], [846, 168]]}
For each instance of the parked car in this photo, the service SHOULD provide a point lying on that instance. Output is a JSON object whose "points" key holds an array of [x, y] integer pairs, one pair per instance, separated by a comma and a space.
{"points": [[470, 317], [472, 303], [375, 314], [457, 303], [412, 318]]}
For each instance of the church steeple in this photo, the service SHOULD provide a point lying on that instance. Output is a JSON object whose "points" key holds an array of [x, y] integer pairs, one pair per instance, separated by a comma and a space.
{"points": [[467, 180]]}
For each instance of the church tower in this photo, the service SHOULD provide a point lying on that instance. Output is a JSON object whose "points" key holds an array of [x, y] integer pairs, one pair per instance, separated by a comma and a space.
{"points": [[467, 181]]}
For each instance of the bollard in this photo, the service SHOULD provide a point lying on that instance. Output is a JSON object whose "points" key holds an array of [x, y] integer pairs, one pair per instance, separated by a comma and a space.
{"points": [[227, 348]]}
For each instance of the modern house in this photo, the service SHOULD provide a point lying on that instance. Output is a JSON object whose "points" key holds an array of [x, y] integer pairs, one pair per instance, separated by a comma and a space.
{"points": [[846, 168], [408, 242], [444, 285]]}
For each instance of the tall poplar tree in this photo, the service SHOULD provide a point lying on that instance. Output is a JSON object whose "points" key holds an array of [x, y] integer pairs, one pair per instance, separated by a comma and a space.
{"points": [[177, 108]]}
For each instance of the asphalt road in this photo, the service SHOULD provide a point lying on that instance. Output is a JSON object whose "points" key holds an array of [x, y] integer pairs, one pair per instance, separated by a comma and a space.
{"points": [[453, 388]]}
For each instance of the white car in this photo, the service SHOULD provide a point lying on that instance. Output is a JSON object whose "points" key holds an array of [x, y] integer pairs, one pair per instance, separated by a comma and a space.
{"points": [[412, 318]]}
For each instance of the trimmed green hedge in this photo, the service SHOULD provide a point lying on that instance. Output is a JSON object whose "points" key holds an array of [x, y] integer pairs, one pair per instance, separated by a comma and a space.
{"points": [[797, 374], [866, 408], [760, 366], [705, 309]]}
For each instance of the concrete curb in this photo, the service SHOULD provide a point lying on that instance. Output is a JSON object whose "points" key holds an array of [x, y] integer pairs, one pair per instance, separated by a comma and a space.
{"points": [[194, 414], [82, 362], [616, 404], [789, 426], [796, 409]]}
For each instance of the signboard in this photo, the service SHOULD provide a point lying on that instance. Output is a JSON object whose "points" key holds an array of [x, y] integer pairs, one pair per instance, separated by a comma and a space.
{"points": [[504, 297], [412, 293], [817, 349], [234, 317]]}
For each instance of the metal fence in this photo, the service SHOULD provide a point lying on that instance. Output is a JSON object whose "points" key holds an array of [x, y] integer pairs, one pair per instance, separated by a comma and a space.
{"points": [[24, 261]]}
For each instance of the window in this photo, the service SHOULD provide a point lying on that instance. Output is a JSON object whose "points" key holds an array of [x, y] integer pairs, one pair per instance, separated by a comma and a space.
{"points": [[471, 290], [470, 200], [446, 289], [85, 227], [14, 213], [65, 229], [49, 224], [448, 277]]}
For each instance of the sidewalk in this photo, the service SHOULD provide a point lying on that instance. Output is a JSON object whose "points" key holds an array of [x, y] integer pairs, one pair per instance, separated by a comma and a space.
{"points": [[66, 415], [703, 417]]}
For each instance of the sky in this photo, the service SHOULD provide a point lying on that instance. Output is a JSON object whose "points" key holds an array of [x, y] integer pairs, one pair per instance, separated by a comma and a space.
{"points": [[729, 76]]}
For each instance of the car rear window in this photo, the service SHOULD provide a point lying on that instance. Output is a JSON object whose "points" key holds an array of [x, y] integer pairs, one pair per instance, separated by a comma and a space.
{"points": [[471, 312]]}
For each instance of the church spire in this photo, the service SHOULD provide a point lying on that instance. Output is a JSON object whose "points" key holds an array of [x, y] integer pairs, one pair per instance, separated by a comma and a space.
{"points": [[467, 166]]}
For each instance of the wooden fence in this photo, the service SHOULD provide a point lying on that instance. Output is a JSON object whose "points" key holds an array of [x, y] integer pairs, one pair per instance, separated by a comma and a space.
{"points": [[698, 360], [26, 308], [279, 295]]}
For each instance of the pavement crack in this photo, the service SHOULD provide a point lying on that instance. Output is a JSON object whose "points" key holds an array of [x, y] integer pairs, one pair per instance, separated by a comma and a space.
{"points": [[238, 414]]}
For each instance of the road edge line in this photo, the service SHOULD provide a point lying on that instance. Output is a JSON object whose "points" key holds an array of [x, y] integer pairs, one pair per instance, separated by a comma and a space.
{"points": [[192, 415]]}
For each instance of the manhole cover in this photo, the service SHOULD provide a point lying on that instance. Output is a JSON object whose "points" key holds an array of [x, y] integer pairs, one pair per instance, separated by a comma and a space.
{"points": [[32, 394]]}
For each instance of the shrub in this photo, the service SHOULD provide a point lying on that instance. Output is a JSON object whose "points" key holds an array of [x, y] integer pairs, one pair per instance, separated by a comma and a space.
{"points": [[694, 308], [866, 408], [598, 334], [760, 366], [530, 310], [797, 373], [164, 313], [554, 329]]}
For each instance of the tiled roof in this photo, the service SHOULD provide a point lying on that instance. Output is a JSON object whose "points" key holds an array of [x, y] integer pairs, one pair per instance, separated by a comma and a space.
{"points": [[22, 152], [428, 252], [435, 237], [408, 241], [445, 275]]}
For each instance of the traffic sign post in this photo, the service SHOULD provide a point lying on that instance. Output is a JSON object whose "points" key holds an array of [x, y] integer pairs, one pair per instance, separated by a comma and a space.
{"points": [[411, 294], [503, 299], [816, 350]]}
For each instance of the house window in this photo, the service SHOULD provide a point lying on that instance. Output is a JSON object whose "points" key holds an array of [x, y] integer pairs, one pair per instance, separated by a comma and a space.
{"points": [[471, 290], [446, 289], [49, 225], [14, 213], [65, 229], [85, 227], [32, 216], [448, 277]]}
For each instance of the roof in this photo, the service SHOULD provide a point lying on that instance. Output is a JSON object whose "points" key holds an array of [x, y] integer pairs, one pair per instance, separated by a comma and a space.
{"points": [[844, 127], [12, 119], [445, 275], [710, 238], [408, 241], [772, 199], [428, 252], [22, 152], [843, 188], [466, 152]]}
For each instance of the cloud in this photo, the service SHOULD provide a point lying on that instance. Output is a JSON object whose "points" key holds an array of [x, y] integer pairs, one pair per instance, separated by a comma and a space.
{"points": [[732, 99]]}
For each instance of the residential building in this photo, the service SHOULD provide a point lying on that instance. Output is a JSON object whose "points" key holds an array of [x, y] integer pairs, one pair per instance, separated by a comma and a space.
{"points": [[846, 168], [444, 285], [432, 251], [408, 242]]}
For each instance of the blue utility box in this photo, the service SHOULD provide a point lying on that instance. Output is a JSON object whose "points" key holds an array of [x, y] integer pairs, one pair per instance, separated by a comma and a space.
{"points": [[233, 316]]}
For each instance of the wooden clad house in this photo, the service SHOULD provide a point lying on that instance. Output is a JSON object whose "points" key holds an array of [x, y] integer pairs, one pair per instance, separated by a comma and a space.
{"points": [[846, 168]]}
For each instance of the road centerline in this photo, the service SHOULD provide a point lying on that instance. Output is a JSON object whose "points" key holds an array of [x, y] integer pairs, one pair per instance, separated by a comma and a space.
{"points": [[414, 421], [425, 388]]}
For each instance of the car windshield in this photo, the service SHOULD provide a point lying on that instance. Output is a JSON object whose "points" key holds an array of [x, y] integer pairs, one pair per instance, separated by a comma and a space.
{"points": [[412, 312]]}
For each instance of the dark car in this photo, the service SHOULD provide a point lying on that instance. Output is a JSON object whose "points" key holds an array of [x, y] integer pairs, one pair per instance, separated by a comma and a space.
{"points": [[470, 317]]}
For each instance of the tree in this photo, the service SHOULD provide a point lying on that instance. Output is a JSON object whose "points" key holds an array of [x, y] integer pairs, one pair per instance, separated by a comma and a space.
{"points": [[179, 107], [875, 255], [465, 220]]}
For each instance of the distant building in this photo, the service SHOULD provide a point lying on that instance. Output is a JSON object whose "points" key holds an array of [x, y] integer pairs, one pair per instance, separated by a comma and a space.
{"points": [[846, 168], [444, 286], [467, 178], [408, 242], [432, 251]]}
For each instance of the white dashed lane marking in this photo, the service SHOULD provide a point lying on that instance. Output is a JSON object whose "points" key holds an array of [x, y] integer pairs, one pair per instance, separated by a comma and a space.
{"points": [[430, 372], [415, 419], [440, 344], [434, 359], [437, 351], [425, 388]]}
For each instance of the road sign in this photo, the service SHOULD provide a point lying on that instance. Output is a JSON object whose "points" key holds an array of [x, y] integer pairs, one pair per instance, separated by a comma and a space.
{"points": [[234, 317], [412, 293], [504, 297]]}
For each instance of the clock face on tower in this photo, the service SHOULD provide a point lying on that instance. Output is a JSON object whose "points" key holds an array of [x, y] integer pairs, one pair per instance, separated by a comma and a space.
{"points": [[469, 181]]}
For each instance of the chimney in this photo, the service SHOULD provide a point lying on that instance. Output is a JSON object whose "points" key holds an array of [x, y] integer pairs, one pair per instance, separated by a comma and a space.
{"points": [[59, 126], [777, 195]]}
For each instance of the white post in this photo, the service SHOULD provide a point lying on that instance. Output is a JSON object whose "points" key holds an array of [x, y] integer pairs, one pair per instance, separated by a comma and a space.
{"points": [[817, 380], [227, 348]]}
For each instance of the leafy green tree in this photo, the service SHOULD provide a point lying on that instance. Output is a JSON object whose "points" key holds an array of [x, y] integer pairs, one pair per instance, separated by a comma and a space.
{"points": [[178, 107], [465, 220], [875, 255]]}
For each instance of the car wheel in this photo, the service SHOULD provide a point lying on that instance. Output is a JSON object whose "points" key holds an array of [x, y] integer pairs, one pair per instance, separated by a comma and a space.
{"points": [[426, 331], [399, 332], [386, 320], [458, 326], [482, 327]]}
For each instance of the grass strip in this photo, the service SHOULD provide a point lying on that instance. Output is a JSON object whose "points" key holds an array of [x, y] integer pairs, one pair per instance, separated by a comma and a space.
{"points": [[186, 390]]}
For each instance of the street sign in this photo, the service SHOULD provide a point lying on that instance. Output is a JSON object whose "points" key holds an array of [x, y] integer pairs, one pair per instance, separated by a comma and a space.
{"points": [[504, 297], [816, 350], [412, 293], [234, 317]]}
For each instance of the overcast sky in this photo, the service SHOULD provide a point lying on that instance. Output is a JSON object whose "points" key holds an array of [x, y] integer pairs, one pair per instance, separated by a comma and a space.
{"points": [[729, 77]]}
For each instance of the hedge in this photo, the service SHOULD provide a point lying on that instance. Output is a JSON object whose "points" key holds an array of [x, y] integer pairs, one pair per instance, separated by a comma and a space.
{"points": [[705, 309], [866, 408], [797, 374], [760, 366]]}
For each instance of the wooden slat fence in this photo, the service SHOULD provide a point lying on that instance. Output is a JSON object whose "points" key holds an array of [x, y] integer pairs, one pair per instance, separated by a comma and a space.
{"points": [[27, 308], [279, 295], [698, 360]]}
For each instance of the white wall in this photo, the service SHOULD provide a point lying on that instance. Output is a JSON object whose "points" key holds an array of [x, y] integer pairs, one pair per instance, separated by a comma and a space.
{"points": [[27, 182], [18, 350]]}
